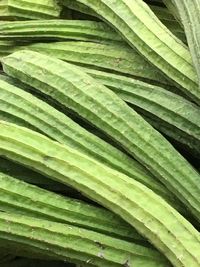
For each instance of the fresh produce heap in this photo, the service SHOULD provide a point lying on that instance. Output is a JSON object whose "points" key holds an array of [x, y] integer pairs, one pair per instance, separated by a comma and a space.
{"points": [[100, 133]]}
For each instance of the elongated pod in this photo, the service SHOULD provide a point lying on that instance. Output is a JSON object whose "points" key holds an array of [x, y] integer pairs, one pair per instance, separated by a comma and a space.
{"points": [[76, 90], [176, 117], [73, 244], [58, 30], [32, 9], [189, 14], [134, 202], [113, 57], [40, 116], [140, 27], [22, 198], [161, 12]]}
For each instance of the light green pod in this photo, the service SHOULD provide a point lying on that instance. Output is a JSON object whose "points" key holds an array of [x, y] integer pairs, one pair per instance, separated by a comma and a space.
{"points": [[141, 207], [58, 30], [168, 112], [73, 244], [161, 12], [141, 29], [32, 9], [22, 198], [31, 111], [118, 58], [74, 89]]}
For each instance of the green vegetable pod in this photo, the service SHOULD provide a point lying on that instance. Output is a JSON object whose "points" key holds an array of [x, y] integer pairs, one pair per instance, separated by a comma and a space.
{"points": [[32, 9], [189, 14], [22, 108], [58, 30], [131, 200], [77, 91], [73, 244], [161, 12], [141, 28], [117, 58], [19, 197], [168, 112]]}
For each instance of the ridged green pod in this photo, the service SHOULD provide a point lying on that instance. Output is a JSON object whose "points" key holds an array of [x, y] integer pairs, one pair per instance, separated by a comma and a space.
{"points": [[189, 13], [176, 117], [140, 27], [76, 90], [47, 120], [162, 13], [33, 9], [58, 30], [103, 57], [73, 244], [112, 58], [20, 197], [108, 57], [134, 202]]}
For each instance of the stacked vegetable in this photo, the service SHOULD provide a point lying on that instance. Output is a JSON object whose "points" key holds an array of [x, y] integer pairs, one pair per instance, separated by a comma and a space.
{"points": [[100, 133]]}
